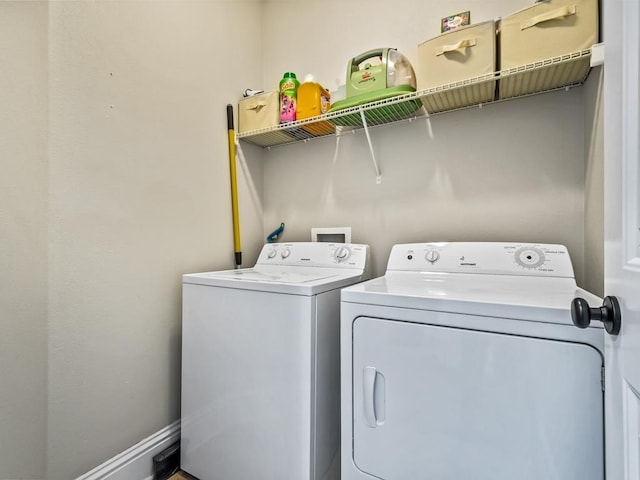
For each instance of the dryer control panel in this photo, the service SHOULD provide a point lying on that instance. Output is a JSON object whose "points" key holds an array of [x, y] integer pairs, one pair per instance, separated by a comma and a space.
{"points": [[535, 259], [315, 254]]}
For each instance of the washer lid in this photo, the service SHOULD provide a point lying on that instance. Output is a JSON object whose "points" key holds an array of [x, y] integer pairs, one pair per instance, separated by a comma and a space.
{"points": [[300, 268], [279, 276], [281, 279], [543, 299]]}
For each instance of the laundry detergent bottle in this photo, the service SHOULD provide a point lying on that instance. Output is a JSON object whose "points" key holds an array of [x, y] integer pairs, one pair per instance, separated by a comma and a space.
{"points": [[288, 97], [313, 98]]}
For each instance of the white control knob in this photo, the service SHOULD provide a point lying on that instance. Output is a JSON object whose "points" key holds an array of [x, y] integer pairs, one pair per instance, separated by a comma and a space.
{"points": [[285, 253], [272, 253], [432, 256], [342, 254]]}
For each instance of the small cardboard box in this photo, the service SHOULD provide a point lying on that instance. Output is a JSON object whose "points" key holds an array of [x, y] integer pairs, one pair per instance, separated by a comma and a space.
{"points": [[546, 30], [259, 111], [460, 54]]}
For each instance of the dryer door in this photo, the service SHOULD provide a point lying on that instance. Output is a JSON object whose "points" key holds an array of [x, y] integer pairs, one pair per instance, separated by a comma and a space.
{"points": [[449, 404]]}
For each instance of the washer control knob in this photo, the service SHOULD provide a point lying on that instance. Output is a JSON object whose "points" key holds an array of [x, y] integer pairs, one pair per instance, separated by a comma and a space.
{"points": [[342, 253], [272, 253], [432, 256], [285, 253]]}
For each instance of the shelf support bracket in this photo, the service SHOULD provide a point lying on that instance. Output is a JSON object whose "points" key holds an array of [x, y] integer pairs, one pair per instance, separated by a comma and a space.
{"points": [[428, 123], [373, 155], [597, 54]]}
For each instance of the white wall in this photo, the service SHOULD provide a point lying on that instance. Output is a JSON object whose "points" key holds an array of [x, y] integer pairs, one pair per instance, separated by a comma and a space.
{"points": [[507, 172], [23, 239]]}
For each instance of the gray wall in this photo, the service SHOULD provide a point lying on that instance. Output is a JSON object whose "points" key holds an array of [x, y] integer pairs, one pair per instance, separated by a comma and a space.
{"points": [[513, 171], [594, 182], [139, 194], [490, 174], [115, 182], [131, 192], [23, 239]]}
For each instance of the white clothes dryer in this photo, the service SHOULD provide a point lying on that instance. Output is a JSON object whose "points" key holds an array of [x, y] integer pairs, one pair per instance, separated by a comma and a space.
{"points": [[260, 364], [462, 363]]}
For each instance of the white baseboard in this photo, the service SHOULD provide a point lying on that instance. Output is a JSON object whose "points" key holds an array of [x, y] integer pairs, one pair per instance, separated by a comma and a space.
{"points": [[136, 463]]}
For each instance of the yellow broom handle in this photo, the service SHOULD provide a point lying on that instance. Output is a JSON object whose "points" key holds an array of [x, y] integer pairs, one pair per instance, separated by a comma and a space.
{"points": [[234, 187]]}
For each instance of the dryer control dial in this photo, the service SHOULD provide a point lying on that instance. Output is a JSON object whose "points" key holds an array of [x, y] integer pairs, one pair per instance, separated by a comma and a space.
{"points": [[529, 257], [342, 253], [432, 256], [272, 253], [285, 253]]}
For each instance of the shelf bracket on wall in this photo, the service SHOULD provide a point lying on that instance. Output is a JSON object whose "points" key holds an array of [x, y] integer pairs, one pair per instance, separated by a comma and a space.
{"points": [[428, 123], [597, 54], [373, 155]]}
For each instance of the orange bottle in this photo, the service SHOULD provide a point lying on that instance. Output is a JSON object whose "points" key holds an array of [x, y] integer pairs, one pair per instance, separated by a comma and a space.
{"points": [[314, 100]]}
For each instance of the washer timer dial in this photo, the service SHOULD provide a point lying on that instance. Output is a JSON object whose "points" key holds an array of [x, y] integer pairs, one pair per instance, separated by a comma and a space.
{"points": [[342, 254], [529, 257]]}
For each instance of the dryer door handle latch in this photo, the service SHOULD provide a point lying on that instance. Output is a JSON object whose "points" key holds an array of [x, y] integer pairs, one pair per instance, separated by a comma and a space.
{"points": [[608, 313], [373, 401]]}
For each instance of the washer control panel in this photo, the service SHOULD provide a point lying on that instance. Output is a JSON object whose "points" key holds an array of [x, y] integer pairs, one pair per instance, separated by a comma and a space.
{"points": [[535, 259], [316, 254]]}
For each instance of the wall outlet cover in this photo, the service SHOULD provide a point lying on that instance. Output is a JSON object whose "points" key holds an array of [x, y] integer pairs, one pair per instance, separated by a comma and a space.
{"points": [[331, 234]]}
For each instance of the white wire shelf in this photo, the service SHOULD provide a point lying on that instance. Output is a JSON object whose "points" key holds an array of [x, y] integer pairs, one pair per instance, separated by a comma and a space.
{"points": [[564, 71]]}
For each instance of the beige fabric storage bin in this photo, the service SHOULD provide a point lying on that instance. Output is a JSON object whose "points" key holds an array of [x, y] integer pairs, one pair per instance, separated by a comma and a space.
{"points": [[546, 30], [259, 111], [456, 57]]}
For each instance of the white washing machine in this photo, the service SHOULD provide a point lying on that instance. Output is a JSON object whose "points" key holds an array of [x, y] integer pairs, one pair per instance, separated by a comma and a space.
{"points": [[260, 364], [462, 363]]}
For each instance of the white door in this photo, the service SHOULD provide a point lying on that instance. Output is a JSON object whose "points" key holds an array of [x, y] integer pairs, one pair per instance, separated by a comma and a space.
{"points": [[622, 235]]}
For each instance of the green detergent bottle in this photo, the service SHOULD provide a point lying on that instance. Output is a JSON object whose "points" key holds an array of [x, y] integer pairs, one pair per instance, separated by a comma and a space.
{"points": [[288, 97]]}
